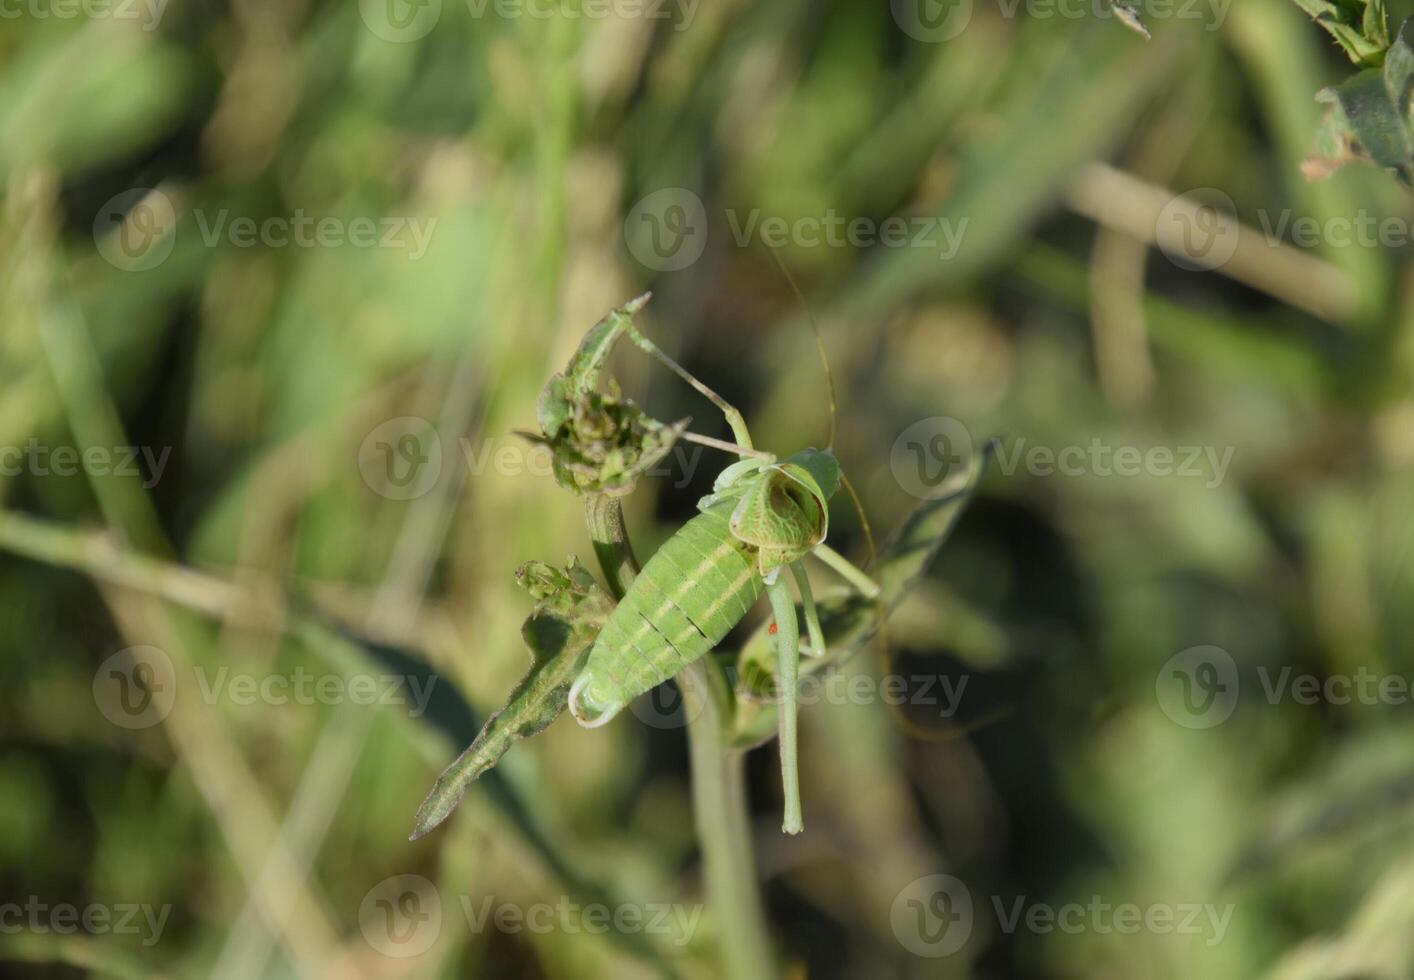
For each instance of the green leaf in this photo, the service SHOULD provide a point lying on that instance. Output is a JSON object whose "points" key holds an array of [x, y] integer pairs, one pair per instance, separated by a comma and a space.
{"points": [[1358, 27], [1370, 117], [849, 620], [570, 610], [1376, 23]]}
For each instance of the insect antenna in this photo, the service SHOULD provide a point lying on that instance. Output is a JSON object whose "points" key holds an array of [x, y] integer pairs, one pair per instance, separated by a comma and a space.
{"points": [[863, 519], [819, 349], [881, 605]]}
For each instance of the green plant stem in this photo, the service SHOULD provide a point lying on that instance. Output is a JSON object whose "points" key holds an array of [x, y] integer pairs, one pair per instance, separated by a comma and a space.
{"points": [[719, 811], [718, 779], [605, 517]]}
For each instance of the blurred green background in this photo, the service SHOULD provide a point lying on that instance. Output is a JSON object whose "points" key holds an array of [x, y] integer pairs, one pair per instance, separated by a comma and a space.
{"points": [[251, 240]]}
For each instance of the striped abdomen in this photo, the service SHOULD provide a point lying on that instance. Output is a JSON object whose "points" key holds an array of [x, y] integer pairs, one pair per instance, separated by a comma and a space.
{"points": [[684, 602]]}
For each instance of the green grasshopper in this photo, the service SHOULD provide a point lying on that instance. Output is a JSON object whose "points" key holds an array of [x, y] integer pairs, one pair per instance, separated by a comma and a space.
{"points": [[763, 516]]}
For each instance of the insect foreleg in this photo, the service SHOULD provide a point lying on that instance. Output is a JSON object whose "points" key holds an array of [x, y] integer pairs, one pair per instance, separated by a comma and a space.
{"points": [[787, 678], [728, 485], [866, 585], [812, 614], [734, 418]]}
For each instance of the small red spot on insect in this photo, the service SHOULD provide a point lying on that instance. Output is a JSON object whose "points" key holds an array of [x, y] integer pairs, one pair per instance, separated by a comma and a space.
{"points": [[772, 630]]}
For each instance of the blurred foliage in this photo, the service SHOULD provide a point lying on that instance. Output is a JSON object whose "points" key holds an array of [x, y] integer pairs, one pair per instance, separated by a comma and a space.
{"points": [[518, 146]]}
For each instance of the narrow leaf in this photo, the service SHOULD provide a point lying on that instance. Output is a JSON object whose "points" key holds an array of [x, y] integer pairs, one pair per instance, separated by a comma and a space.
{"points": [[1348, 24], [569, 612]]}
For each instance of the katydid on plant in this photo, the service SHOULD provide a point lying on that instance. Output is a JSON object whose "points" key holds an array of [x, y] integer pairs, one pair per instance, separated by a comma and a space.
{"points": [[764, 515]]}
